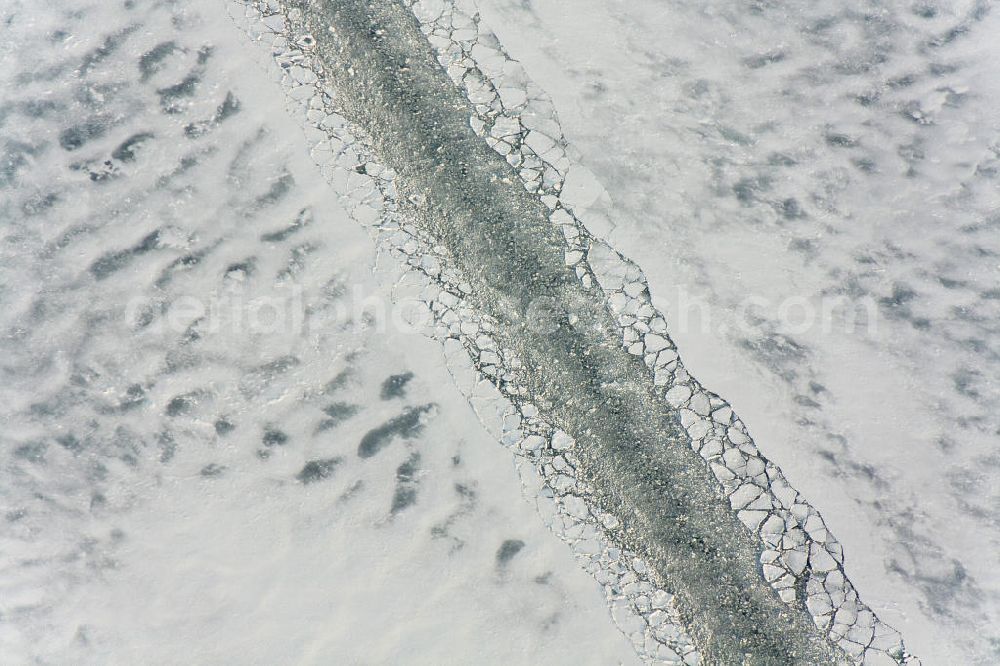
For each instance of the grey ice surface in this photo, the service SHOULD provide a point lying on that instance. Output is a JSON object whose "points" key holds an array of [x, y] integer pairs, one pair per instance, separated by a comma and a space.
{"points": [[397, 107]]}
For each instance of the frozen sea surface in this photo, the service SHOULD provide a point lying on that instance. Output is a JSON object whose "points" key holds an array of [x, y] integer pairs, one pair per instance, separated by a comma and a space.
{"points": [[221, 436]]}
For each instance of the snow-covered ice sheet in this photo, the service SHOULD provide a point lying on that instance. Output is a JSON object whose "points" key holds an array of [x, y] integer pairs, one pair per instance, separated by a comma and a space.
{"points": [[216, 446]]}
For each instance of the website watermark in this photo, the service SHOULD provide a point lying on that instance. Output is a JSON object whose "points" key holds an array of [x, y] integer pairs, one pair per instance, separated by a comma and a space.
{"points": [[290, 310]]}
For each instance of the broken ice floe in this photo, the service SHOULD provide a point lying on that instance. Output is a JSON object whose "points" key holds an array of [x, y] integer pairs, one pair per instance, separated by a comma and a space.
{"points": [[800, 559]]}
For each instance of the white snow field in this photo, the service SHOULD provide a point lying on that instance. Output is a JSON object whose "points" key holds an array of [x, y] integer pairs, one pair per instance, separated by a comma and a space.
{"points": [[762, 161]]}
